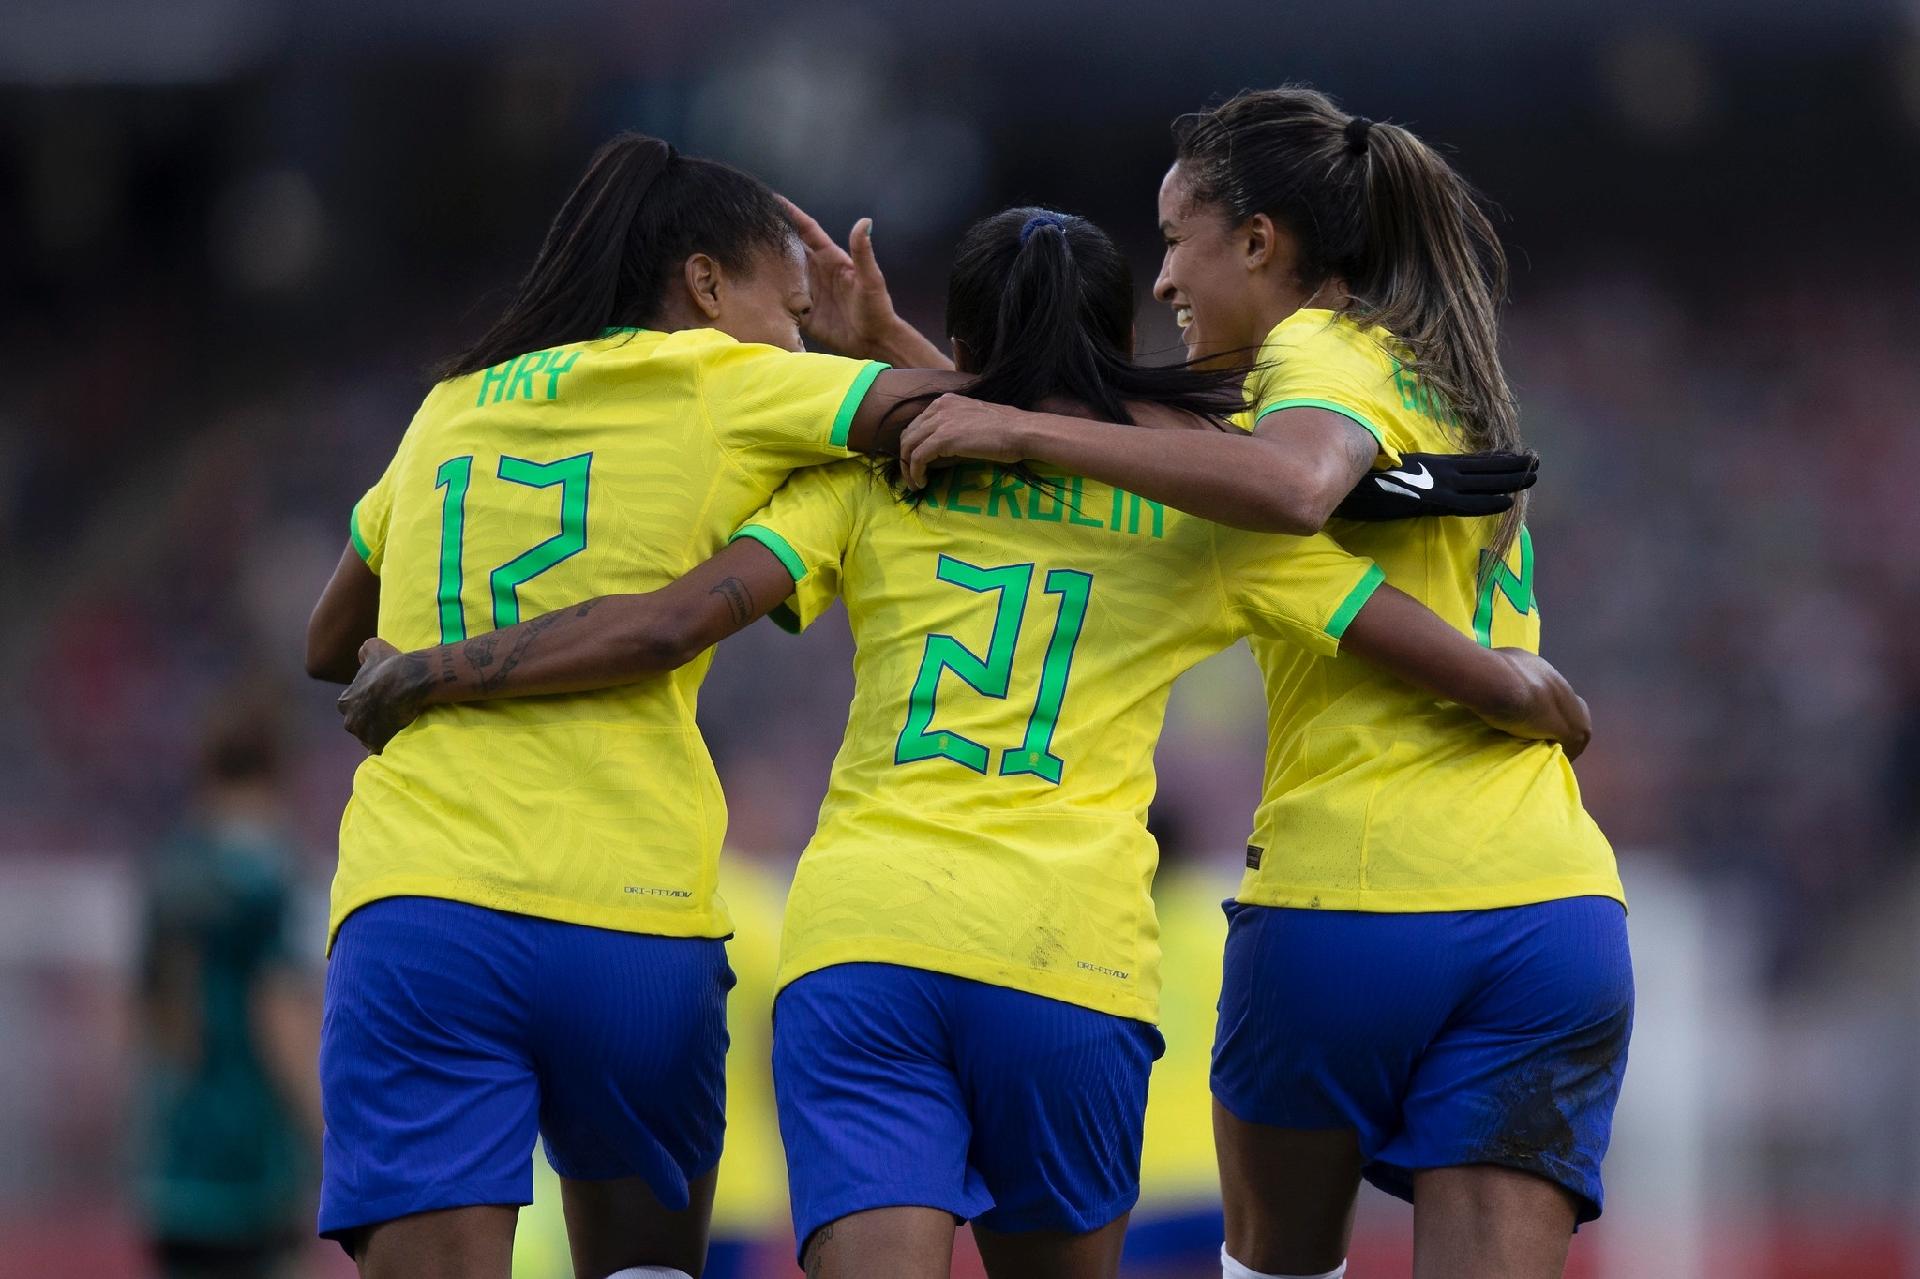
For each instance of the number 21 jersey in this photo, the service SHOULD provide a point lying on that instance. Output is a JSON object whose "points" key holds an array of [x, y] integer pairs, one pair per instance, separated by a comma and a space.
{"points": [[986, 815]]}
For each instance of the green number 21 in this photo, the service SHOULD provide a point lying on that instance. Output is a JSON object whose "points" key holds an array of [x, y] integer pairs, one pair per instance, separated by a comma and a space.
{"points": [[992, 675], [456, 476]]}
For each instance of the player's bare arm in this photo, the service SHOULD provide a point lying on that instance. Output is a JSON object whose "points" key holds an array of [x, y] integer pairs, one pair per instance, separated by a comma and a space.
{"points": [[616, 639], [1513, 690], [1285, 478], [1294, 489], [598, 643], [346, 616], [892, 402]]}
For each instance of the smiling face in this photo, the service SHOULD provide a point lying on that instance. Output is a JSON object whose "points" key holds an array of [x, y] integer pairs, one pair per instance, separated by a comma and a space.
{"points": [[1203, 275], [1228, 284]]}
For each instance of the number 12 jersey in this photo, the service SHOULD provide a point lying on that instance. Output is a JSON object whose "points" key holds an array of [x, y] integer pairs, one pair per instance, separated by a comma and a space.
{"points": [[600, 467]]}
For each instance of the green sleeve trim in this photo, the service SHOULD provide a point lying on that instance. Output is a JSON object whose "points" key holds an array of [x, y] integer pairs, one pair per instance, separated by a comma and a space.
{"points": [[850, 404], [360, 546], [1330, 407], [1356, 600], [785, 618], [781, 548]]}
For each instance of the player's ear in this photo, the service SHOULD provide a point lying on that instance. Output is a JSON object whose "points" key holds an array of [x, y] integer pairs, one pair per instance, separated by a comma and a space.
{"points": [[702, 276], [1259, 241]]}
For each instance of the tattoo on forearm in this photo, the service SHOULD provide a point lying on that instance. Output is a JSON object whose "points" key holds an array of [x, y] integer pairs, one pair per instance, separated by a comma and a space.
{"points": [[531, 632], [739, 599], [479, 649], [481, 652]]}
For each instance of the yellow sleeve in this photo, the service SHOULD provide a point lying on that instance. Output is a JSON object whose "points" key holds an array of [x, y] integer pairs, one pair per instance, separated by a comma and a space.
{"points": [[1312, 363], [808, 525], [367, 524], [1305, 590], [783, 408]]}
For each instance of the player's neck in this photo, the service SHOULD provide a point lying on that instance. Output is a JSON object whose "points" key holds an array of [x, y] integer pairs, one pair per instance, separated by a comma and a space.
{"points": [[1283, 299]]}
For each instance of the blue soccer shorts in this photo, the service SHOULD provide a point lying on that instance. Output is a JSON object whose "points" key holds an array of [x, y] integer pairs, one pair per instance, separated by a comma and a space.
{"points": [[898, 1086], [453, 1033], [1444, 1039]]}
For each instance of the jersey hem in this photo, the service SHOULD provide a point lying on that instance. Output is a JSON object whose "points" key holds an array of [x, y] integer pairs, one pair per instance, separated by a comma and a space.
{"points": [[706, 922], [886, 950], [850, 404], [1417, 901]]}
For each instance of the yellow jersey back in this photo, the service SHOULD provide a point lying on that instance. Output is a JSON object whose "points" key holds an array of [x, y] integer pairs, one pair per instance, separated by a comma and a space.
{"points": [[1015, 642], [600, 467], [1379, 797]]}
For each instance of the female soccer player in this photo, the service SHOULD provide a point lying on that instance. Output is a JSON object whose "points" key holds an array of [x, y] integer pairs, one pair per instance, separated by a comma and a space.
{"points": [[1427, 974], [969, 971], [524, 930]]}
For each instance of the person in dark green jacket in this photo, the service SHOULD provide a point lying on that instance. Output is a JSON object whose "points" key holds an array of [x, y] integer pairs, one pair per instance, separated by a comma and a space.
{"points": [[227, 1093]]}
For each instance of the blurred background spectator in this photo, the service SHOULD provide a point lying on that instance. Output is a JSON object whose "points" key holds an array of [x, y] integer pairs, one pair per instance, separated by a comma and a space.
{"points": [[233, 235], [228, 1109]]}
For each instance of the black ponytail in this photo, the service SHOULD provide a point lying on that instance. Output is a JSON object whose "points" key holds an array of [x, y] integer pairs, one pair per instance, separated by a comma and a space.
{"points": [[1044, 302], [635, 216]]}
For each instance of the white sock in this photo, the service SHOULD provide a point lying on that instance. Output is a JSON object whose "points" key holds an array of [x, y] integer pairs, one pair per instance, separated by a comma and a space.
{"points": [[1231, 1269], [649, 1272]]}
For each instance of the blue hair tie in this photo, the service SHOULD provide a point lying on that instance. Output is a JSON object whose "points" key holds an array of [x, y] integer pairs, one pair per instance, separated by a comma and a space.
{"points": [[1034, 224]]}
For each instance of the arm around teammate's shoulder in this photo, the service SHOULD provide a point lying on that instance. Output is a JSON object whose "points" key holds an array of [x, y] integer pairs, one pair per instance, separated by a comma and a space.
{"points": [[1285, 478], [894, 399]]}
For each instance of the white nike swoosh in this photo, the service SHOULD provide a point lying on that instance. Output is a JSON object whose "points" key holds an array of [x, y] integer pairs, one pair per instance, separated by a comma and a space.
{"points": [[1391, 487], [1423, 480]]}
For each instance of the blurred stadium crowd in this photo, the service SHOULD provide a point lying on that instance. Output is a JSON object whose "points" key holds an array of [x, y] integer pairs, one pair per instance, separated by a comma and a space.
{"points": [[226, 257]]}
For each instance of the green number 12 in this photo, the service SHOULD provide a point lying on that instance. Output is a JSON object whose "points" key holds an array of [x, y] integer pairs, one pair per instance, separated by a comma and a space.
{"points": [[992, 675], [456, 476]]}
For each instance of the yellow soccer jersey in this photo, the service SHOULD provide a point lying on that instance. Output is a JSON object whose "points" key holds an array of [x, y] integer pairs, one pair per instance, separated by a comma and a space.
{"points": [[613, 465], [986, 815], [1379, 797]]}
